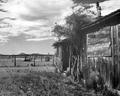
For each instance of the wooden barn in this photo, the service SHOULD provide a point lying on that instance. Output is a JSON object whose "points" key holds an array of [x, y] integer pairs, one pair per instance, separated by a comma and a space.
{"points": [[98, 45], [103, 47]]}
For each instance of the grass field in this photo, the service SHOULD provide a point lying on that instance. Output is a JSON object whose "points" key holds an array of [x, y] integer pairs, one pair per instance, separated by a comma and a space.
{"points": [[32, 83], [21, 63], [16, 81], [39, 80], [23, 67]]}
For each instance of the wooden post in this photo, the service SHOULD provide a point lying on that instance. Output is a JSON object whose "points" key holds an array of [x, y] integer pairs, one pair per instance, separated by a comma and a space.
{"points": [[34, 60], [112, 49], [115, 47], [84, 53], [41, 58], [53, 61], [115, 51], [81, 63], [15, 61], [78, 66], [84, 49], [70, 58], [112, 53], [118, 65], [118, 52]]}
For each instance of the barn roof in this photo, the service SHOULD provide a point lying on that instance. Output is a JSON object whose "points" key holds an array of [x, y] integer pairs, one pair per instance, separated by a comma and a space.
{"points": [[108, 20]]}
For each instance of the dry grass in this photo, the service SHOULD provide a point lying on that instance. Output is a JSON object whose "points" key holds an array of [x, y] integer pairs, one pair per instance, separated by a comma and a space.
{"points": [[40, 84], [32, 84]]}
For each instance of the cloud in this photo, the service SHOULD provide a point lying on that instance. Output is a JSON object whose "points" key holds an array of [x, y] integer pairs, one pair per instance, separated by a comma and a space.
{"points": [[110, 6], [3, 39], [37, 32], [40, 39], [34, 18], [38, 9], [45, 9]]}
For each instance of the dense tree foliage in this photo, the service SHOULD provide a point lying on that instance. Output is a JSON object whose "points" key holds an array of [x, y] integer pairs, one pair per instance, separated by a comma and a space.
{"points": [[74, 21], [82, 15], [61, 31], [77, 21]]}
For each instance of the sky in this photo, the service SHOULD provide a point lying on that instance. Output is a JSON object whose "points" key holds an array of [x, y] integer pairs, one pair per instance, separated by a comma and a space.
{"points": [[27, 24]]}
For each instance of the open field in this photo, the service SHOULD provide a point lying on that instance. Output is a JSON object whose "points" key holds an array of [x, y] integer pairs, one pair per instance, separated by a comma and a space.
{"points": [[10, 71], [39, 80], [7, 67], [10, 76], [20, 62]]}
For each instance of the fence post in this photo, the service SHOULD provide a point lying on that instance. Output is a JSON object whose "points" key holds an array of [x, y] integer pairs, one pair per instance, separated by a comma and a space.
{"points": [[53, 60], [34, 60], [15, 61]]}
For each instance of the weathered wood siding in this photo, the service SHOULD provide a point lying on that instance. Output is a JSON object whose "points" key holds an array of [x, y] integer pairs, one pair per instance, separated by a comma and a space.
{"points": [[99, 43], [103, 54]]}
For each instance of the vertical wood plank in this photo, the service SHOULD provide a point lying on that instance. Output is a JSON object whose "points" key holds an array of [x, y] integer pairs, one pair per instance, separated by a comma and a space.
{"points": [[70, 58], [112, 55], [84, 53], [118, 65]]}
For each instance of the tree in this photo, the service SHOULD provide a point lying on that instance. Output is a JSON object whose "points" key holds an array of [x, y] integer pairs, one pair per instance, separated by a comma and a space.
{"points": [[61, 31], [80, 17], [73, 24], [77, 21]]}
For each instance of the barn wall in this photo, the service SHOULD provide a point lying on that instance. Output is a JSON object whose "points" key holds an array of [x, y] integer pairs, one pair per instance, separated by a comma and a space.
{"points": [[65, 56], [106, 59]]}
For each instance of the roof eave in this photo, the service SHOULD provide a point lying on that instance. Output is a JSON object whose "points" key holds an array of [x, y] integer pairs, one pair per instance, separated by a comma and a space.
{"points": [[109, 20]]}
